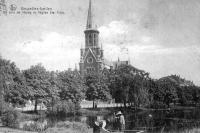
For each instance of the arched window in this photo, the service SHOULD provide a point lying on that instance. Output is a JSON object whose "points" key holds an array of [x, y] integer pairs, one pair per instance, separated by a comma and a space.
{"points": [[90, 69], [95, 39], [90, 39]]}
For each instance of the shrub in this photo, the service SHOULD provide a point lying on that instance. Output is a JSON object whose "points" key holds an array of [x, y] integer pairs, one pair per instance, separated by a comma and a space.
{"points": [[65, 124], [35, 126], [11, 118], [63, 108], [30, 127], [82, 128], [4, 107], [158, 105], [69, 127], [73, 125]]}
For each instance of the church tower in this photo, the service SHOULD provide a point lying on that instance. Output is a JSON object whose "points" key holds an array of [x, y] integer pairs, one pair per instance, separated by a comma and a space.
{"points": [[91, 60]]}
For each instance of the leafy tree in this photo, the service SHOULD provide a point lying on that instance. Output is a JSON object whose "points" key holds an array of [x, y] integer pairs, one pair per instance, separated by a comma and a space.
{"points": [[129, 85], [53, 90], [71, 86], [12, 85], [188, 95], [97, 87], [195, 94], [37, 80], [18, 93], [157, 92], [169, 93]]}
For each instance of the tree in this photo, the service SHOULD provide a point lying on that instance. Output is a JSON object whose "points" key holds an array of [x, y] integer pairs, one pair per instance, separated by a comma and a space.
{"points": [[18, 93], [71, 86], [53, 91], [12, 83], [169, 93], [157, 94], [188, 95], [195, 94], [37, 80], [97, 87], [128, 84]]}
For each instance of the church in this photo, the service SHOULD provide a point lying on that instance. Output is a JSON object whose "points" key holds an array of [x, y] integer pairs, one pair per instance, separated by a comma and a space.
{"points": [[92, 55]]}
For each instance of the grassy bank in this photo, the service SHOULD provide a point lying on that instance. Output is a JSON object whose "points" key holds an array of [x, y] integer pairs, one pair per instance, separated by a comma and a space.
{"points": [[60, 127], [64, 130], [69, 127], [194, 130], [95, 112], [74, 130], [12, 130]]}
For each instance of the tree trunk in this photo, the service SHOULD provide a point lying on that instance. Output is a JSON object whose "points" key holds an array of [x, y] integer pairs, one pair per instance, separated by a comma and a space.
{"points": [[93, 104], [124, 104], [52, 104], [1, 93], [36, 102], [2, 102]]}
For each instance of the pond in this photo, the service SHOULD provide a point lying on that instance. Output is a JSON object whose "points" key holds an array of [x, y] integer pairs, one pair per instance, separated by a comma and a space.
{"points": [[151, 120]]}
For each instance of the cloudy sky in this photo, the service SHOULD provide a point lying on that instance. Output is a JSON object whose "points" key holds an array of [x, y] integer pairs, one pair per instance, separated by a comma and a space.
{"points": [[162, 36]]}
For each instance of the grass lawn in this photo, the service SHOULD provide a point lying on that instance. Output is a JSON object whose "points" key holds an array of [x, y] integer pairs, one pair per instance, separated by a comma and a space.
{"points": [[64, 130], [11, 130]]}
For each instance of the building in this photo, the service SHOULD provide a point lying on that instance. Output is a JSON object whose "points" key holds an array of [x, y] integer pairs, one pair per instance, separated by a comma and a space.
{"points": [[92, 59], [92, 55], [3, 9]]}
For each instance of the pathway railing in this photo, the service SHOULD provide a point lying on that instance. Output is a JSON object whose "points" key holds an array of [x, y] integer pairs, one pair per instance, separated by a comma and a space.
{"points": [[83, 105], [102, 105]]}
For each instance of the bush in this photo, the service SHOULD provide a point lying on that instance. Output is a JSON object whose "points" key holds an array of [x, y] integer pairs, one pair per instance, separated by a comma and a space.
{"points": [[63, 108], [4, 107], [69, 127], [65, 124], [158, 105], [82, 128], [30, 127], [35, 126], [11, 118]]}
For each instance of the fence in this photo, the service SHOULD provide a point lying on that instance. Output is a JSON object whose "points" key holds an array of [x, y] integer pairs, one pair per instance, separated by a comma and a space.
{"points": [[102, 105]]}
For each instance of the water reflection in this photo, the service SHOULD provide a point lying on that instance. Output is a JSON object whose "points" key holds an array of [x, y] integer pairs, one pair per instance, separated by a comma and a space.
{"points": [[169, 120], [153, 120]]}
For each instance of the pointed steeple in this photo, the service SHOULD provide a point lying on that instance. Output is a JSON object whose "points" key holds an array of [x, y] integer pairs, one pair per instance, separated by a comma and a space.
{"points": [[90, 17]]}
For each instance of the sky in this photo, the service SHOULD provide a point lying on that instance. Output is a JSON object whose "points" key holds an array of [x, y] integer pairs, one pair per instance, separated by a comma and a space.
{"points": [[162, 36]]}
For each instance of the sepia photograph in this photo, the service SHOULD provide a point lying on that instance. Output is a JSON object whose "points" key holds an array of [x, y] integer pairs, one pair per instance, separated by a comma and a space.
{"points": [[99, 66]]}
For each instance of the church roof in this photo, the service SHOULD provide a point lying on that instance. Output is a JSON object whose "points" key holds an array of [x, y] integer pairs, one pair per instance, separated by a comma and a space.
{"points": [[90, 51]]}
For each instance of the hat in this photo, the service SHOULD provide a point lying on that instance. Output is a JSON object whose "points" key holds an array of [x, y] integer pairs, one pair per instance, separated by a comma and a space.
{"points": [[119, 113], [98, 123]]}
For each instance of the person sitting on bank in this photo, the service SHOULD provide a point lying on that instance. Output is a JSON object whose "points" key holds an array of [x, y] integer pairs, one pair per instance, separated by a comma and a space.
{"points": [[99, 126], [120, 121]]}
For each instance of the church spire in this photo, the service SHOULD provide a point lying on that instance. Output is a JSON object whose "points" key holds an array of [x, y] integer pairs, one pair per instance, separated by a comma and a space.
{"points": [[90, 17]]}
